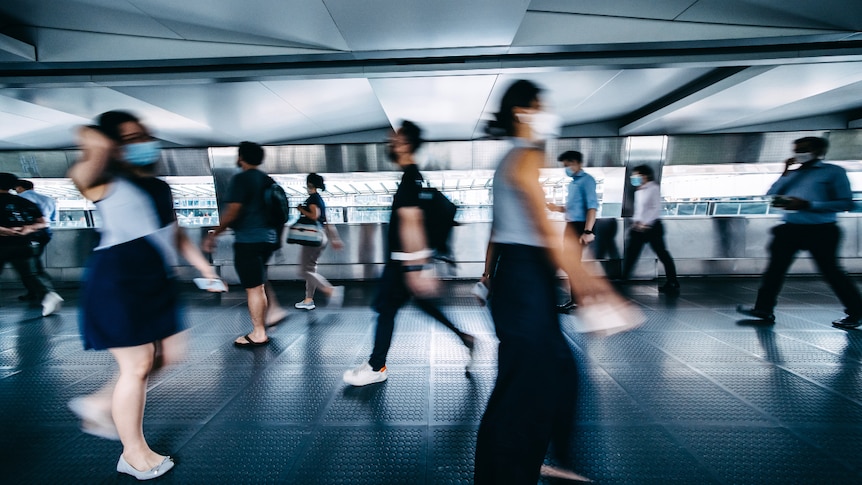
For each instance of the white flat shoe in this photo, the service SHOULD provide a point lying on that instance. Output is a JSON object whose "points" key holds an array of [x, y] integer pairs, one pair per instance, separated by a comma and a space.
{"points": [[154, 472]]}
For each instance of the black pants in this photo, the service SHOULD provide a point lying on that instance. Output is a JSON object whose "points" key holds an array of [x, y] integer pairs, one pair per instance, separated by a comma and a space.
{"points": [[392, 295], [821, 240], [532, 404], [25, 260], [655, 237]]}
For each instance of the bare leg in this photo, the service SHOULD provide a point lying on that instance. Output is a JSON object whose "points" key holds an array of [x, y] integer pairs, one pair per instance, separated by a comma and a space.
{"points": [[257, 310], [274, 311], [130, 394]]}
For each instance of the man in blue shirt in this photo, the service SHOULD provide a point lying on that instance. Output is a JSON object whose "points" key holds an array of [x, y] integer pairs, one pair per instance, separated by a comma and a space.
{"points": [[581, 206], [812, 196], [39, 239]]}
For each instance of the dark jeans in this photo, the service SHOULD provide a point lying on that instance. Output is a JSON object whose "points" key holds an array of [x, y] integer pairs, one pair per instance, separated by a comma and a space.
{"points": [[533, 402], [25, 260], [821, 240], [392, 295], [655, 237]]}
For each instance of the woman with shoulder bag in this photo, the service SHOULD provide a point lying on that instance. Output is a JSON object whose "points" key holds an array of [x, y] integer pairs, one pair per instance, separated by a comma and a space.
{"points": [[315, 209]]}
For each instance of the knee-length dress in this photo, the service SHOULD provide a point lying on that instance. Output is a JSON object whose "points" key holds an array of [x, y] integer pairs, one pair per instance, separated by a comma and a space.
{"points": [[129, 292]]}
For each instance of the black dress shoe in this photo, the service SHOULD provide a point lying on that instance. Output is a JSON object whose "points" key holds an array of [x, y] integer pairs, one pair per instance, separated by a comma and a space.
{"points": [[755, 313], [848, 322], [567, 307], [669, 287], [28, 297]]}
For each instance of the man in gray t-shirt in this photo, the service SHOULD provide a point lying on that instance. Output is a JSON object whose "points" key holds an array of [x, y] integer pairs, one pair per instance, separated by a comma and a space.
{"points": [[254, 242]]}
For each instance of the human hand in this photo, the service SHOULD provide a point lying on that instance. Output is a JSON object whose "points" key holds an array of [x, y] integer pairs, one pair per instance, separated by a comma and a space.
{"points": [[337, 244], [422, 284], [587, 238], [794, 204], [209, 242], [90, 138]]}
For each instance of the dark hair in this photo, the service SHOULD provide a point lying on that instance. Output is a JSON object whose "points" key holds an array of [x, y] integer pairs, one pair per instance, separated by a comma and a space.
{"points": [[109, 123], [316, 181], [819, 145], [412, 133], [521, 94], [8, 181], [25, 184], [646, 171], [571, 156], [251, 153]]}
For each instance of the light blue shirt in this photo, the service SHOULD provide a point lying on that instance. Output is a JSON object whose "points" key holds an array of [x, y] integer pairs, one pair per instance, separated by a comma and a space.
{"points": [[825, 186], [581, 197], [46, 204]]}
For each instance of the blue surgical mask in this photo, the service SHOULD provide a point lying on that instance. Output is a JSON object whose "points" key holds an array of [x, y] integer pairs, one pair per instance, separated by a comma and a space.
{"points": [[636, 180], [570, 172], [146, 153]]}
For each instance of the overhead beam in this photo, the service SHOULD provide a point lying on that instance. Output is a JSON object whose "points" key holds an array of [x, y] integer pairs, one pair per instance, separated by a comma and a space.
{"points": [[21, 50], [699, 90]]}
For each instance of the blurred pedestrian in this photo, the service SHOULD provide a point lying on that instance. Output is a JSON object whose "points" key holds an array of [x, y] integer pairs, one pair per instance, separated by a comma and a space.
{"points": [[41, 238], [129, 302], [315, 210], [532, 404], [254, 242], [407, 272], [20, 223], [648, 228], [582, 202], [812, 194]]}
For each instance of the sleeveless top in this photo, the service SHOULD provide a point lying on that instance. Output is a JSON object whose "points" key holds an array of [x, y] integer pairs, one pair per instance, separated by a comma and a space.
{"points": [[129, 212], [512, 223]]}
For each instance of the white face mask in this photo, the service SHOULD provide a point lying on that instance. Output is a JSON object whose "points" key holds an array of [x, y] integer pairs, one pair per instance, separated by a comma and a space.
{"points": [[544, 125], [803, 157]]}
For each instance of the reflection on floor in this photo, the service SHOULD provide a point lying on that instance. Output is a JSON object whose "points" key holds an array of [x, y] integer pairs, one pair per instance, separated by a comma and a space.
{"points": [[694, 396]]}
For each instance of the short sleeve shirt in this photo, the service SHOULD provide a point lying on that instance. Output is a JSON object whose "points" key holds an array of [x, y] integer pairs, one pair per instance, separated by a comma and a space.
{"points": [[16, 211], [407, 195], [247, 188], [316, 199], [581, 197]]}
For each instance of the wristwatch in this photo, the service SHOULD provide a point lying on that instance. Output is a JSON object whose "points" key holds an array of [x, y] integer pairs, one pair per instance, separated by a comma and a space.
{"points": [[588, 231]]}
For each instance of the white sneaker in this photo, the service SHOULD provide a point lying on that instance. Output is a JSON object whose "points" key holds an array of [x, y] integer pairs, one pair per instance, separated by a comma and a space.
{"points": [[51, 303], [336, 299], [364, 375], [305, 306]]}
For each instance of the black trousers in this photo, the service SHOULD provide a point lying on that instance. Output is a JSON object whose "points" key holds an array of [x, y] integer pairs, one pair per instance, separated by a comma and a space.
{"points": [[635, 244], [821, 240], [533, 402], [391, 296], [25, 260]]}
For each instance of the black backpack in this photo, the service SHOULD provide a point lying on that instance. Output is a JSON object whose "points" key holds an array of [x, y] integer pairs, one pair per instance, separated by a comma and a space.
{"points": [[439, 214], [275, 206]]}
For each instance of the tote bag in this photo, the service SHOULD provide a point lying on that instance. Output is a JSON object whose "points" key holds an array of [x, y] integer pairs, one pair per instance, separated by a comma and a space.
{"points": [[306, 232]]}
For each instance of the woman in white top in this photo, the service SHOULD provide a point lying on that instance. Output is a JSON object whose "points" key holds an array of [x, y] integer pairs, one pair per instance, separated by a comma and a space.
{"points": [[647, 227], [129, 302], [532, 404]]}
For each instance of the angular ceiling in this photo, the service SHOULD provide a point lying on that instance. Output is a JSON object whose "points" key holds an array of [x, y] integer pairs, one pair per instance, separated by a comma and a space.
{"points": [[215, 72]]}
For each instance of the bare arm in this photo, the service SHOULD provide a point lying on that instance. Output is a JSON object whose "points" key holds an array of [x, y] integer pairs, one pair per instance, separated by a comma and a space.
{"points": [[230, 215], [524, 176], [193, 255], [90, 168], [313, 211], [590, 225]]}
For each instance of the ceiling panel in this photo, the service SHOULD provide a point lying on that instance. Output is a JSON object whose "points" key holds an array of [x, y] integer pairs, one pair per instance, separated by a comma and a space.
{"points": [[448, 108], [399, 24], [110, 16], [213, 72], [750, 100], [547, 28], [306, 22]]}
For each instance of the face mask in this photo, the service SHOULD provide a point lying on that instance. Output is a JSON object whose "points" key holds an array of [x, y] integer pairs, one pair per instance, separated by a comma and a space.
{"points": [[803, 157], [141, 154], [570, 172], [636, 180], [543, 125]]}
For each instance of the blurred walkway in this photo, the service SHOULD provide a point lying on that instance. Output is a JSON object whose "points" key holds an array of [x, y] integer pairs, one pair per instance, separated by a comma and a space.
{"points": [[694, 396]]}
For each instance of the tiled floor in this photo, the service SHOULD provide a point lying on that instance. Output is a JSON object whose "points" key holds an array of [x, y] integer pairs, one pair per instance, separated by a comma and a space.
{"points": [[694, 396]]}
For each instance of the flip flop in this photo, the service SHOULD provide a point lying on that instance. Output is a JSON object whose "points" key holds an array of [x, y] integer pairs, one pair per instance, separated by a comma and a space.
{"points": [[250, 342]]}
